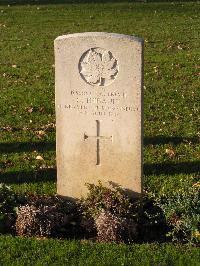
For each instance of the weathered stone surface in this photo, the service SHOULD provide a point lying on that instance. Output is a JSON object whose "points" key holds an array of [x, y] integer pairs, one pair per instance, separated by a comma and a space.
{"points": [[98, 111]]}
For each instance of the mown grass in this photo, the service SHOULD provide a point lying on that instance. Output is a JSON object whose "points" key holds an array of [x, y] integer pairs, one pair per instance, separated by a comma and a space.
{"points": [[171, 98], [57, 252]]}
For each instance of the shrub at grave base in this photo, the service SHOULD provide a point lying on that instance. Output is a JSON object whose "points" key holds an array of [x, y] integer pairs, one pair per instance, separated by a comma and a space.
{"points": [[114, 216], [106, 214], [44, 216], [182, 213], [38, 221], [111, 228]]}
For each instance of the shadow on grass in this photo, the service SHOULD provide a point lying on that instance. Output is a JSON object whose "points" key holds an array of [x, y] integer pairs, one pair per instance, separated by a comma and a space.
{"points": [[172, 168], [174, 140], [27, 146], [45, 175], [20, 177], [48, 2], [10, 147]]}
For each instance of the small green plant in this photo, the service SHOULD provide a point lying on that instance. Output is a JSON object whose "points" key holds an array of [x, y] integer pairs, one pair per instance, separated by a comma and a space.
{"points": [[182, 213], [111, 199], [152, 221], [110, 212], [9, 202]]}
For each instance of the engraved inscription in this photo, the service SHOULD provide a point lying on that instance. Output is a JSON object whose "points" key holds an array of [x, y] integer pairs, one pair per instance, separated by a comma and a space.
{"points": [[98, 137], [98, 67], [99, 103]]}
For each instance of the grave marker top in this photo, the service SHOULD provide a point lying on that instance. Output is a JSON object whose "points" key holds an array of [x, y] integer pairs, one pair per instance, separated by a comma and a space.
{"points": [[98, 111]]}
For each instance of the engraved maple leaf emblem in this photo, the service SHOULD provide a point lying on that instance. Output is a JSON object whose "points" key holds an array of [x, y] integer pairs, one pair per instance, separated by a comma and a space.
{"points": [[99, 67]]}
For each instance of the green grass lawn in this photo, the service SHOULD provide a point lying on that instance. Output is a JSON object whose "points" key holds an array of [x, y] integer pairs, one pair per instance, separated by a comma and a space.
{"points": [[57, 252], [27, 116]]}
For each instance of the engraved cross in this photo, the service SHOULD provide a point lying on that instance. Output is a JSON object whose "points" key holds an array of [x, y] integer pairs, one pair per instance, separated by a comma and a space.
{"points": [[98, 138]]}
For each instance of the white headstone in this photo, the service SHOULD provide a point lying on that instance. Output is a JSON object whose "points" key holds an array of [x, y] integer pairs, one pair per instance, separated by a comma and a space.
{"points": [[99, 81]]}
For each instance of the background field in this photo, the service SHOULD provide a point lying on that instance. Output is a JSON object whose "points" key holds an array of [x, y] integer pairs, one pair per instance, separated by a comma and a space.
{"points": [[171, 92]]}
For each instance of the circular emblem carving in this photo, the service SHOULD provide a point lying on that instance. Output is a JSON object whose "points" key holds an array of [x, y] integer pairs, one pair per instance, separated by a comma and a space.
{"points": [[98, 67]]}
